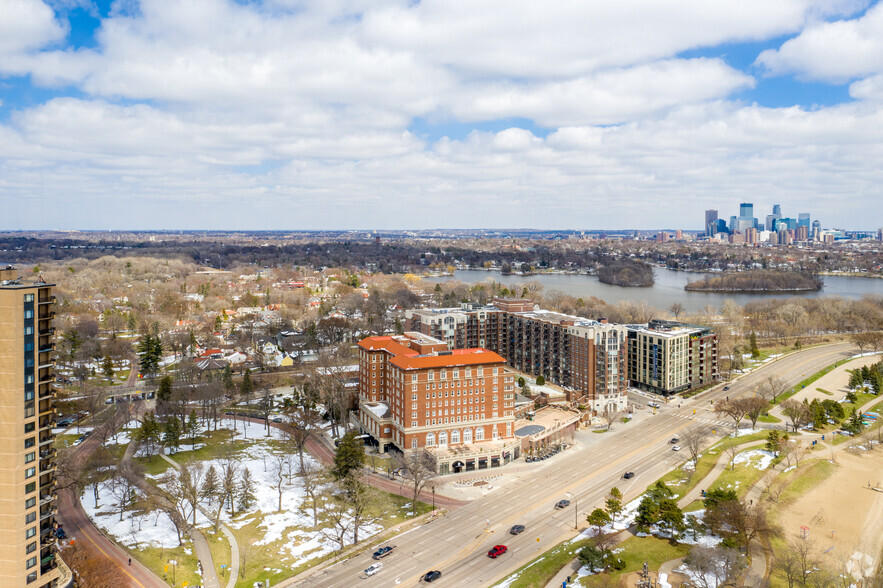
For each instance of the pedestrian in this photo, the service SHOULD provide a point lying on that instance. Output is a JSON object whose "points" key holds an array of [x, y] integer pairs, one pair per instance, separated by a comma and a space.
{"points": [[130, 561]]}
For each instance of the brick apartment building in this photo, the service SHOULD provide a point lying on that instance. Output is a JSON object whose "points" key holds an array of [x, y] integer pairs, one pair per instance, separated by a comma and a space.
{"points": [[668, 357], [415, 393], [584, 356]]}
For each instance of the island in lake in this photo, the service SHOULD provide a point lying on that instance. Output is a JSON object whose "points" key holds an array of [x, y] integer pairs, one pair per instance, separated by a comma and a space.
{"points": [[626, 273], [758, 281]]}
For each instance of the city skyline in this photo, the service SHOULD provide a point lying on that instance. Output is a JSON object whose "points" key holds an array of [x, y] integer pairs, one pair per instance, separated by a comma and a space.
{"points": [[397, 115]]}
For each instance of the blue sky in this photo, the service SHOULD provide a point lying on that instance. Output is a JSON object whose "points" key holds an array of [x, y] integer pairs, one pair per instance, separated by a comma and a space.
{"points": [[393, 114]]}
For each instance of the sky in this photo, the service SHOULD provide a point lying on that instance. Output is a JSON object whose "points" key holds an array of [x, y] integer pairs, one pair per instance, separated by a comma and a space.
{"points": [[398, 114]]}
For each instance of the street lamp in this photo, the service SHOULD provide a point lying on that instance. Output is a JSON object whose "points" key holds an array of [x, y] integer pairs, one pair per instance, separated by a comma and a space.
{"points": [[575, 510]]}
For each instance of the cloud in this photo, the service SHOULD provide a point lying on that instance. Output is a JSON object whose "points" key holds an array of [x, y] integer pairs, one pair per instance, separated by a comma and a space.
{"points": [[832, 51], [27, 25]]}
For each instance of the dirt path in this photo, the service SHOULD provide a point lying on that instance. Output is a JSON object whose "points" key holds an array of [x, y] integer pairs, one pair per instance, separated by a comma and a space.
{"points": [[719, 466]]}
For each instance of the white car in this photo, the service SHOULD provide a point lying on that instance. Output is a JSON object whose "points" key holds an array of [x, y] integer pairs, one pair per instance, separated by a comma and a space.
{"points": [[373, 569], [675, 447]]}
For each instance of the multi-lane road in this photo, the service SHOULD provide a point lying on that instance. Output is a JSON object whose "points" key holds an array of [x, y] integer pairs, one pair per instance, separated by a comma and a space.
{"points": [[457, 544]]}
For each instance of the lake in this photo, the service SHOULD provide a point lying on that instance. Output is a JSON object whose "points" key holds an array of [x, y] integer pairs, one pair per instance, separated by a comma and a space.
{"points": [[668, 288]]}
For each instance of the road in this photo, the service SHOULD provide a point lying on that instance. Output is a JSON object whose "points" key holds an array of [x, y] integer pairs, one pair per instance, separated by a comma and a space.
{"points": [[79, 527], [457, 544]]}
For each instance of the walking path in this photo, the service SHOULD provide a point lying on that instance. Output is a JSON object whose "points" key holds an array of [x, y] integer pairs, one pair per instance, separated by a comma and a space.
{"points": [[234, 546], [200, 545]]}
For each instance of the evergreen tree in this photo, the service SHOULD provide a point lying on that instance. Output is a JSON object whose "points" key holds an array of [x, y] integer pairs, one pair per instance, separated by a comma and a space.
{"points": [[855, 379], [107, 366], [148, 433], [851, 397], [227, 378], [192, 426], [246, 491], [172, 433], [613, 503], [349, 457], [164, 391], [150, 351], [130, 322], [755, 352], [246, 387]]}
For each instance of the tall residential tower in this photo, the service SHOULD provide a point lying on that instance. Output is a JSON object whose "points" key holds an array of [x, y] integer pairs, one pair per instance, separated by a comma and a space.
{"points": [[27, 456]]}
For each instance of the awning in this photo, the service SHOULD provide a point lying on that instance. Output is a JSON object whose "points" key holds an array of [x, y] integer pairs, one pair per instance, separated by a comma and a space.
{"points": [[457, 464]]}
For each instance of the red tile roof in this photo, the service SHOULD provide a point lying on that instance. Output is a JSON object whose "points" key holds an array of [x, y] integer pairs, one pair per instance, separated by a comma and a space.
{"points": [[406, 358]]}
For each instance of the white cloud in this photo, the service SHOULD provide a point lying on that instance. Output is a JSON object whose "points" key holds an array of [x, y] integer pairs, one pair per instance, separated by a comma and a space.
{"points": [[832, 51], [211, 113], [26, 25]]}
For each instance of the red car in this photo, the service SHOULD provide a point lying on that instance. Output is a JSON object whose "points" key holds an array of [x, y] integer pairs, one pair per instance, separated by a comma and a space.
{"points": [[496, 551]]}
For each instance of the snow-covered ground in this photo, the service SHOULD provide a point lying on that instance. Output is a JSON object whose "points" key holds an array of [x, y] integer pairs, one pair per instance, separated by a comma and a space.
{"points": [[152, 530], [756, 458]]}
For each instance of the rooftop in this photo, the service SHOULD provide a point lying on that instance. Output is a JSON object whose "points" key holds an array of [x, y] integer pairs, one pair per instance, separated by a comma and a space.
{"points": [[10, 277]]}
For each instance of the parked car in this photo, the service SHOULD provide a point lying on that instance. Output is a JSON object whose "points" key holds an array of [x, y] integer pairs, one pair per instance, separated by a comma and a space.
{"points": [[515, 530], [628, 475], [675, 447], [496, 551], [373, 569], [431, 576], [674, 441], [562, 504], [79, 440], [383, 551]]}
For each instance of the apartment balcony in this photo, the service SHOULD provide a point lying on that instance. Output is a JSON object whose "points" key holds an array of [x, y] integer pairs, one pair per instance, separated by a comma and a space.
{"points": [[47, 526], [47, 564], [47, 300], [46, 438], [46, 405], [47, 498], [49, 512], [47, 422], [46, 332], [47, 465]]}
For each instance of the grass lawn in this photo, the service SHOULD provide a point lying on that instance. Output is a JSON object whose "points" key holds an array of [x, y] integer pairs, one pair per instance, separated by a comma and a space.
{"points": [[805, 478], [157, 558], [768, 418], [635, 552], [543, 568], [153, 465], [823, 391], [216, 445], [65, 440], [687, 482], [742, 478]]}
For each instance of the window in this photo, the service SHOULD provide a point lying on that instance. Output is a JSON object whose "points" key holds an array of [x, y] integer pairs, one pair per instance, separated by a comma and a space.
{"points": [[443, 437], [30, 532], [467, 435], [30, 487], [30, 518], [30, 502], [30, 472], [32, 577], [29, 297], [29, 330], [29, 457], [32, 547], [32, 561], [29, 314], [455, 436], [413, 443], [430, 439], [479, 433]]}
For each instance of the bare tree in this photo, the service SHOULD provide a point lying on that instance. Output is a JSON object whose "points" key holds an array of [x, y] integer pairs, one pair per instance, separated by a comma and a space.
{"points": [[772, 388], [755, 406], [418, 469], [608, 417], [798, 412], [773, 485], [693, 439], [123, 490], [732, 451], [229, 486], [714, 566], [278, 475], [677, 309], [311, 478], [735, 409]]}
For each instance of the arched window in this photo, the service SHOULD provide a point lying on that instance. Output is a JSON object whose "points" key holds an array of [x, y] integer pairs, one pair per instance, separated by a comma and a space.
{"points": [[479, 433], [430, 439], [443, 438], [455, 436], [467, 435]]}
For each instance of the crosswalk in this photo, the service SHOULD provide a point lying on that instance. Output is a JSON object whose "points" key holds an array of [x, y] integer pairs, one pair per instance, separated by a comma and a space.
{"points": [[701, 419]]}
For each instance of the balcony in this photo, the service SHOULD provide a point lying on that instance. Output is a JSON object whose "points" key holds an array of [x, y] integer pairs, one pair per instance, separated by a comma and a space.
{"points": [[47, 300], [47, 452], [47, 439], [48, 347], [47, 466], [51, 511], [47, 422], [48, 332]]}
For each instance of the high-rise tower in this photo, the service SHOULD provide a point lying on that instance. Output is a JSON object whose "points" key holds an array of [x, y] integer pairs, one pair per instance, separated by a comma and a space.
{"points": [[27, 415]]}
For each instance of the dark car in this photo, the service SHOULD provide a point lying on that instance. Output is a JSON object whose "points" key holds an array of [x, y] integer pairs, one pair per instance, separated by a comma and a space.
{"points": [[674, 440], [628, 475], [562, 504], [516, 529], [383, 551], [431, 576], [726, 388], [496, 551]]}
